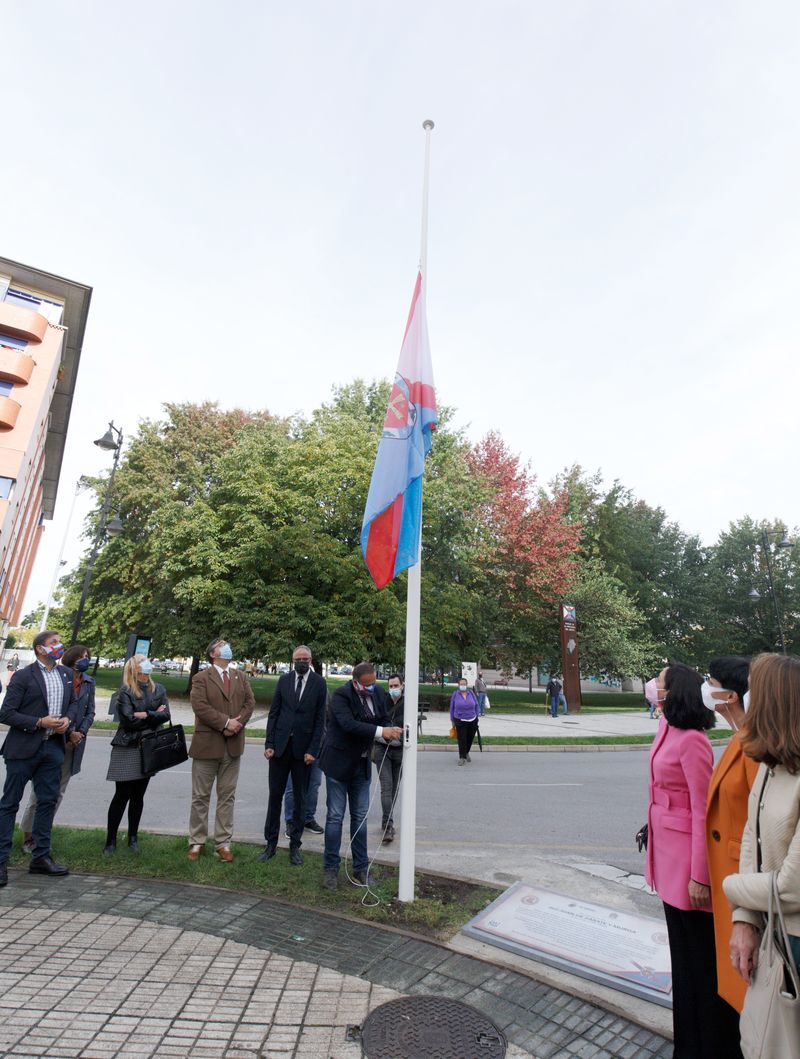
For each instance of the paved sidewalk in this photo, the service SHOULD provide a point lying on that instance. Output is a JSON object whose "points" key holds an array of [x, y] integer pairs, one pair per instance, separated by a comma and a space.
{"points": [[102, 967], [494, 723]]}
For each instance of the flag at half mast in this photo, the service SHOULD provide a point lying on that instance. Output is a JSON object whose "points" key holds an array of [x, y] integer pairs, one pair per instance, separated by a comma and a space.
{"points": [[390, 535]]}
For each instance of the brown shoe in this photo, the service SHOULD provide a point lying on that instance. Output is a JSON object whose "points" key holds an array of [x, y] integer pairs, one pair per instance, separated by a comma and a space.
{"points": [[224, 854], [194, 852]]}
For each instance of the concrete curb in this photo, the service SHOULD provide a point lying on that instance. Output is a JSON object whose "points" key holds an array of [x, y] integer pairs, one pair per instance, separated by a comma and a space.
{"points": [[503, 748]]}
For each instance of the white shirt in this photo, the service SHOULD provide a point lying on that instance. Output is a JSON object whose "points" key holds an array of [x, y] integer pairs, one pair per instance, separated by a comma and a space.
{"points": [[303, 681], [221, 672]]}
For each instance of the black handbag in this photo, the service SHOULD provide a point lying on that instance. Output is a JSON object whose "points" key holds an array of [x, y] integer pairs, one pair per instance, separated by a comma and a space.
{"points": [[163, 749]]}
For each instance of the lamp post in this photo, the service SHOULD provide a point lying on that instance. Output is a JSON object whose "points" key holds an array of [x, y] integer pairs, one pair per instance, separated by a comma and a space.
{"points": [[111, 441], [754, 594], [82, 483]]}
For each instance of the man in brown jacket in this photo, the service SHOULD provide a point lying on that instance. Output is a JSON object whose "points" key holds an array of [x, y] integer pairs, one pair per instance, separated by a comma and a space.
{"points": [[223, 702]]}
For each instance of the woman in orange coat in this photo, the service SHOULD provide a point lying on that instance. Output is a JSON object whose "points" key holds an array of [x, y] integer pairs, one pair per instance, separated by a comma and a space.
{"points": [[726, 816]]}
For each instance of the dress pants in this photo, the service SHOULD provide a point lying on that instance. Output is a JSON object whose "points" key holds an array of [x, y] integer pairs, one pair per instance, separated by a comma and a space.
{"points": [[465, 733], [225, 771], [44, 769], [312, 795], [706, 1027], [389, 760], [280, 768], [66, 776]]}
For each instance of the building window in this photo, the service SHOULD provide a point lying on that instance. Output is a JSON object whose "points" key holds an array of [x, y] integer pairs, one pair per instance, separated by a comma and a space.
{"points": [[6, 485], [6, 388], [51, 310], [12, 342]]}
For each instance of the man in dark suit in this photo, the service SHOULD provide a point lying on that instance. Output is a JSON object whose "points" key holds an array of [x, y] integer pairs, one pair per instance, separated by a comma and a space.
{"points": [[358, 711], [294, 734], [40, 710]]}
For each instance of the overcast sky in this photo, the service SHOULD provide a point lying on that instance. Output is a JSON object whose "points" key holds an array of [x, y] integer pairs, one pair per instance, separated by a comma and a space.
{"points": [[614, 228]]}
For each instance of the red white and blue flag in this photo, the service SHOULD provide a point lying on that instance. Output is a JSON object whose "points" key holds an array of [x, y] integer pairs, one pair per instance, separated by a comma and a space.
{"points": [[390, 535]]}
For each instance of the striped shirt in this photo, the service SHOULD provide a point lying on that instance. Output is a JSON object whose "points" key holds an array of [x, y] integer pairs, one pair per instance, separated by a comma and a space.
{"points": [[54, 687]]}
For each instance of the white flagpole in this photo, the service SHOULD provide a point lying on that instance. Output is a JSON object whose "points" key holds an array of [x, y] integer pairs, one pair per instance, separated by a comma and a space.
{"points": [[408, 787]]}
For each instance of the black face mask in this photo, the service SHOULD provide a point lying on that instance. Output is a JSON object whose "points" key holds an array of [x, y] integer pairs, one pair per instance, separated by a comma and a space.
{"points": [[301, 668]]}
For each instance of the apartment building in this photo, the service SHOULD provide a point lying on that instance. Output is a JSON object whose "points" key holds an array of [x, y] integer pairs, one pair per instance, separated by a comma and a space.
{"points": [[42, 324]]}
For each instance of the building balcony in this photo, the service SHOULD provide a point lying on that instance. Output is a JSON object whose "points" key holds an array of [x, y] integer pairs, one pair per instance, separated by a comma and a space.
{"points": [[15, 366], [9, 410], [22, 323]]}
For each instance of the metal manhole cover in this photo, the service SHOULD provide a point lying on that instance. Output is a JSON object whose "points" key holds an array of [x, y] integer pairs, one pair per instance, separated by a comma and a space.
{"points": [[430, 1027]]}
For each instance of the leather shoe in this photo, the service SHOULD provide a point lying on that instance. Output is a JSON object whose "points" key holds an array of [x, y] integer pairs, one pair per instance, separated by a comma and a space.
{"points": [[3, 875], [109, 849], [295, 857], [312, 825], [388, 835], [194, 852], [133, 843], [363, 878], [224, 854], [268, 852], [47, 866], [330, 880]]}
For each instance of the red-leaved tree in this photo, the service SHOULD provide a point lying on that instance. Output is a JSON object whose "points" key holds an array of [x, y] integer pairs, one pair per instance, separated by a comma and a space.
{"points": [[529, 554]]}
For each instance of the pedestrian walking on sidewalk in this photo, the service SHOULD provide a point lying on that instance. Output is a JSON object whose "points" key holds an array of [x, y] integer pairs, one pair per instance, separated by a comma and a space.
{"points": [[464, 716], [223, 703], [75, 658], [555, 695], [294, 736], [481, 692], [388, 756], [142, 706], [39, 709]]}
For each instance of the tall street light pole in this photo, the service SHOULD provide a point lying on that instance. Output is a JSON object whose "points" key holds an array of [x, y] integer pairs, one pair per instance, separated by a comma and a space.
{"points": [[111, 441], [81, 483], [784, 542]]}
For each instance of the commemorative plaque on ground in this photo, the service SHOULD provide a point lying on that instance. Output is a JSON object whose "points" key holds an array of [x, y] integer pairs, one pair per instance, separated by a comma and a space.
{"points": [[627, 952]]}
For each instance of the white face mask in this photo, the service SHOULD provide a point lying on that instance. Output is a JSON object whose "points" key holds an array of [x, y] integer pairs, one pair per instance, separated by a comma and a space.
{"points": [[707, 690], [746, 701]]}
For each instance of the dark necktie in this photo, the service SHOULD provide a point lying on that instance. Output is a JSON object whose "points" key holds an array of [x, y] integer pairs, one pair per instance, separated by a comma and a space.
{"points": [[298, 690], [226, 681], [367, 705]]}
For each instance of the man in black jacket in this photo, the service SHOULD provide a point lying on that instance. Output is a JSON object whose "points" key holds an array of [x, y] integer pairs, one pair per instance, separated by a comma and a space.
{"points": [[358, 712], [294, 735], [40, 710]]}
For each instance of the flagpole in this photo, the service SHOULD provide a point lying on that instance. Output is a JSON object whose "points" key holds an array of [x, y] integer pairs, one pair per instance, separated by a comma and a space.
{"points": [[408, 787]]}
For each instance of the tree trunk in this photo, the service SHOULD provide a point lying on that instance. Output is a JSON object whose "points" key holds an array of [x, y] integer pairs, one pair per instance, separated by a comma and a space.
{"points": [[194, 669]]}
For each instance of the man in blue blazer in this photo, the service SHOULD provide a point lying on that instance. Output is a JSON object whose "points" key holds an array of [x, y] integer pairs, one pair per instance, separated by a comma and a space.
{"points": [[39, 709], [358, 711], [294, 735]]}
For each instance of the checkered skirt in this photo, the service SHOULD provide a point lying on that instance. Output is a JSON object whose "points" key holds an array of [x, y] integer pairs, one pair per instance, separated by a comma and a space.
{"points": [[125, 764]]}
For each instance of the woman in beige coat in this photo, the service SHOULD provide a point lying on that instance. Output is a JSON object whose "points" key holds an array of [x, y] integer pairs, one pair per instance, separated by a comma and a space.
{"points": [[771, 839]]}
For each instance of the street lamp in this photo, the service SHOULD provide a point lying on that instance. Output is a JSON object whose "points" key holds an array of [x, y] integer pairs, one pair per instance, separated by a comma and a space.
{"points": [[754, 594], [82, 483], [111, 441]]}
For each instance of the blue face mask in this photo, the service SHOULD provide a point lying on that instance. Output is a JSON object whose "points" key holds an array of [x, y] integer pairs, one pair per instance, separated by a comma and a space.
{"points": [[146, 668], [225, 652], [82, 664]]}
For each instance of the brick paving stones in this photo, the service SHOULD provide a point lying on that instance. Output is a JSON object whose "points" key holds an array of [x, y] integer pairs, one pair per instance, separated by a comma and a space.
{"points": [[104, 967]]}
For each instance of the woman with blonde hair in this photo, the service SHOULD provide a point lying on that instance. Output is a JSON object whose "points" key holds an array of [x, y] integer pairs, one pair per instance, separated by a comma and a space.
{"points": [[771, 839], [141, 707]]}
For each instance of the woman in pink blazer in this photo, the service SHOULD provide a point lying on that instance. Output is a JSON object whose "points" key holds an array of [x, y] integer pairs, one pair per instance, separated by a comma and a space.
{"points": [[681, 762]]}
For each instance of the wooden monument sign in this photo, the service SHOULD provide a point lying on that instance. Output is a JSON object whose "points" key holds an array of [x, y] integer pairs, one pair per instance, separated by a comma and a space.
{"points": [[570, 667]]}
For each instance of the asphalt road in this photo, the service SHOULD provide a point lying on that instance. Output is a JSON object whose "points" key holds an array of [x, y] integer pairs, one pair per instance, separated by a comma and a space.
{"points": [[495, 819]]}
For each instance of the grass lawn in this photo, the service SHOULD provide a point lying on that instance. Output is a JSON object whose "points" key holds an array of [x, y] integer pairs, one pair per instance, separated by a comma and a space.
{"points": [[580, 740], [501, 698], [442, 906]]}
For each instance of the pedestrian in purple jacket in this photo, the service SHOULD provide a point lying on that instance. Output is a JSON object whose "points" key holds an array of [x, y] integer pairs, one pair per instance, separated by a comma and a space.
{"points": [[464, 715]]}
